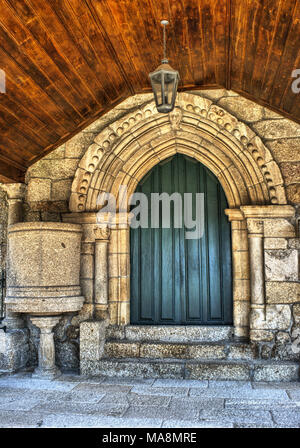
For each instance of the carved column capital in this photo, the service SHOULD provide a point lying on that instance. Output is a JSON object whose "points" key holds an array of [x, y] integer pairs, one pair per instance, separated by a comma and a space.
{"points": [[15, 191], [102, 233], [255, 227]]}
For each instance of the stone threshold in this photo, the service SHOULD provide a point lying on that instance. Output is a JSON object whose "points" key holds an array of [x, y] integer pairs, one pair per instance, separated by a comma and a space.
{"points": [[170, 333]]}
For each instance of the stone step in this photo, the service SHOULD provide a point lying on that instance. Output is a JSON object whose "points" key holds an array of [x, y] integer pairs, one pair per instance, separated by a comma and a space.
{"points": [[165, 333], [191, 350], [200, 369]]}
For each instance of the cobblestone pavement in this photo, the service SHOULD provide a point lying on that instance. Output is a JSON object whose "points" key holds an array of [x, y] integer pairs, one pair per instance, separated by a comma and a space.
{"points": [[73, 401]]}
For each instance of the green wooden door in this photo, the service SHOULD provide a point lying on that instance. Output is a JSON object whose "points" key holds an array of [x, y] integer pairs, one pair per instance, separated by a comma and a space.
{"points": [[175, 280]]}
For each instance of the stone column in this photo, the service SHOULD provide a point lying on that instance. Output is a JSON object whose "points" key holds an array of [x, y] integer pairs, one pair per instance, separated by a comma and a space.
{"points": [[15, 197], [102, 235], [46, 366], [267, 224], [241, 274], [256, 249]]}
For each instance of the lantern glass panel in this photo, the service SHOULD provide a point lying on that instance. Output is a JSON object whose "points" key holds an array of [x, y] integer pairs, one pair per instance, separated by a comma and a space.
{"points": [[156, 81]]}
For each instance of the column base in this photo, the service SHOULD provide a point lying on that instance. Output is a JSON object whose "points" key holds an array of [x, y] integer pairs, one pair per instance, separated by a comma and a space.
{"points": [[46, 374]]}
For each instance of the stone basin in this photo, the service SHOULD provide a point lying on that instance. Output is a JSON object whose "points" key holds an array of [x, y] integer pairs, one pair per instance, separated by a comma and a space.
{"points": [[43, 268], [43, 280]]}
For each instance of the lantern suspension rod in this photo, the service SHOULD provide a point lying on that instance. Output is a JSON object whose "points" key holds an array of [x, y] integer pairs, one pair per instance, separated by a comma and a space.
{"points": [[164, 24]]}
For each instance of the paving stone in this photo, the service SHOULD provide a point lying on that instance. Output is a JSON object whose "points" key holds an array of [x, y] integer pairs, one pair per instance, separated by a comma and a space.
{"points": [[27, 402], [180, 383], [162, 412], [75, 378], [255, 425], [19, 404], [212, 384], [239, 393], [202, 424], [32, 383], [294, 394], [128, 381], [237, 416], [287, 418], [137, 399], [110, 409], [276, 385], [102, 388], [261, 404], [16, 419], [197, 403], [160, 390], [91, 421]]}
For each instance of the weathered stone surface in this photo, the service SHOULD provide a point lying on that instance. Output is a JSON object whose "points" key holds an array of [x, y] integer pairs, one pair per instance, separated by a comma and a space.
{"points": [[141, 369], [296, 313], [58, 153], [294, 243], [92, 340], [39, 190], [177, 333], [205, 351], [290, 172], [53, 169], [61, 190], [213, 94], [282, 292], [285, 150], [242, 108], [275, 243], [274, 129], [281, 265], [122, 350], [293, 193], [164, 351], [278, 228], [39, 253], [222, 371], [76, 146], [242, 351], [14, 349], [276, 372], [277, 317]]}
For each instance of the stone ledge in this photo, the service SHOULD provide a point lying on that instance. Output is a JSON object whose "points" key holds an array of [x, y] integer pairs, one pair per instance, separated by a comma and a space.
{"points": [[200, 369]]}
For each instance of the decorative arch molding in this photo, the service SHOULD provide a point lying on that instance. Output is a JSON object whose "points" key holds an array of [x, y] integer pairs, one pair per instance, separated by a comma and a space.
{"points": [[127, 149]]}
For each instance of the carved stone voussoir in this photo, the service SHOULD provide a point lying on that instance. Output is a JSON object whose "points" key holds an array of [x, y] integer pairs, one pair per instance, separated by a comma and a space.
{"points": [[175, 118]]}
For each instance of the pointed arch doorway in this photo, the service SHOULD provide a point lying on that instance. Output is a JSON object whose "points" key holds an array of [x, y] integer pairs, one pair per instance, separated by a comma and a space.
{"points": [[179, 281]]}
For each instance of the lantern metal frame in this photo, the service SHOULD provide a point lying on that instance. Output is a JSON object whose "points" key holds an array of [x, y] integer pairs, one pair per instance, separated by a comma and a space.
{"points": [[164, 81]]}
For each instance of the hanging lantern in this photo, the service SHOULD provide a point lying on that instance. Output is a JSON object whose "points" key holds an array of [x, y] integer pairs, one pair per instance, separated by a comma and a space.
{"points": [[164, 81]]}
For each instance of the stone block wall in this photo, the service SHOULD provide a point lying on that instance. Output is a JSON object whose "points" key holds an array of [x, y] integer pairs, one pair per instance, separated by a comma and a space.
{"points": [[49, 180], [281, 330], [49, 185], [3, 238]]}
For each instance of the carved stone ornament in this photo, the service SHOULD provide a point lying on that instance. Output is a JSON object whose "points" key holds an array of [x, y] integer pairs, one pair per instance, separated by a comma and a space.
{"points": [[102, 233]]}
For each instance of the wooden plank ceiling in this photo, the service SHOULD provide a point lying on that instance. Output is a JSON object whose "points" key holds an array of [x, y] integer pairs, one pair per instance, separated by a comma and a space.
{"points": [[69, 61]]}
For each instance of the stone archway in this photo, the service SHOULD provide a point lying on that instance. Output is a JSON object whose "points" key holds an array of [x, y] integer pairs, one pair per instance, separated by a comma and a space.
{"points": [[127, 149]]}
